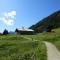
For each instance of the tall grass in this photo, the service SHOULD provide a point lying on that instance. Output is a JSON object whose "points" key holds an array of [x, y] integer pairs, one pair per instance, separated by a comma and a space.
{"points": [[15, 47], [53, 37]]}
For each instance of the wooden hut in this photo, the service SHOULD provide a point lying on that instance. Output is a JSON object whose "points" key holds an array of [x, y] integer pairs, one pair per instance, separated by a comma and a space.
{"points": [[24, 31]]}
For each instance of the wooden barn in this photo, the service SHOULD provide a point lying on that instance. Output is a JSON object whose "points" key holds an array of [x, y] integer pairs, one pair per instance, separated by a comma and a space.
{"points": [[24, 31]]}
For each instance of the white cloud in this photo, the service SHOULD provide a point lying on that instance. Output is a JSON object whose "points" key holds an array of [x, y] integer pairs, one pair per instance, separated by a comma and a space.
{"points": [[8, 22], [10, 14], [8, 18]]}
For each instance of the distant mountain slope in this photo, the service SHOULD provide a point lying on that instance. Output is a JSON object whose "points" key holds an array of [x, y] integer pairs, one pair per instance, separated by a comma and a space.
{"points": [[52, 20]]}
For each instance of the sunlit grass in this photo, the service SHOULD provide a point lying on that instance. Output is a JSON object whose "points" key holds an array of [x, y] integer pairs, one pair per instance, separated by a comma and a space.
{"points": [[53, 37], [15, 47]]}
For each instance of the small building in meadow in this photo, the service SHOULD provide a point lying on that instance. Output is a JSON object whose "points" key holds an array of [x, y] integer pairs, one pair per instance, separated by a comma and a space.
{"points": [[24, 31]]}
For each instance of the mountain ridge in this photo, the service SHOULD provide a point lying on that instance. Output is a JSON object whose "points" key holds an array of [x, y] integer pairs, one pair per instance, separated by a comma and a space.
{"points": [[51, 20]]}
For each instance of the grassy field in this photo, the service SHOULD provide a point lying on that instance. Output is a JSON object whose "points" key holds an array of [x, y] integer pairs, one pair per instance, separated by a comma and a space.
{"points": [[53, 37], [14, 47]]}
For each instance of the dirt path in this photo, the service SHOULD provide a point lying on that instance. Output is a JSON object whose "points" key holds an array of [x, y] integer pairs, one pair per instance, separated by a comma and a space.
{"points": [[52, 52]]}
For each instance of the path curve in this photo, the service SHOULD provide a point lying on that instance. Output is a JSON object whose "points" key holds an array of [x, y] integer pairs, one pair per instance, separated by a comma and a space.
{"points": [[52, 52]]}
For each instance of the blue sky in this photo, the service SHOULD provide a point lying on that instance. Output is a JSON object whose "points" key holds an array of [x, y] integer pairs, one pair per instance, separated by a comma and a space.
{"points": [[17, 13]]}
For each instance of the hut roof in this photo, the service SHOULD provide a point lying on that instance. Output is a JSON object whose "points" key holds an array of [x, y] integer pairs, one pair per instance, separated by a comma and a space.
{"points": [[20, 29]]}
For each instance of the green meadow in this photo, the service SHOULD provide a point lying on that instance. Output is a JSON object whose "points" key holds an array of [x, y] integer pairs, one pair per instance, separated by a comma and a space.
{"points": [[19, 47], [15, 47], [53, 37]]}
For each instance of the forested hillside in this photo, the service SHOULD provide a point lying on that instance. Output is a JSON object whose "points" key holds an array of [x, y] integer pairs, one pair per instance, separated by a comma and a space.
{"points": [[52, 20]]}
